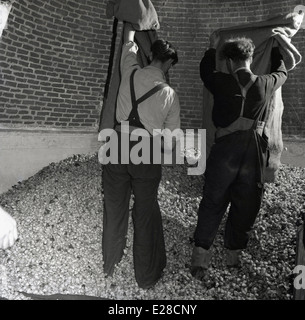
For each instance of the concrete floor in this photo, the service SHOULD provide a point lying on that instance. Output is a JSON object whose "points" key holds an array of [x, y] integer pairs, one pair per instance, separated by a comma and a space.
{"points": [[294, 152], [24, 152]]}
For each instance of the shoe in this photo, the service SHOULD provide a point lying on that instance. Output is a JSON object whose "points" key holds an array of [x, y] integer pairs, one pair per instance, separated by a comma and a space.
{"points": [[152, 284], [200, 262], [233, 258], [198, 273]]}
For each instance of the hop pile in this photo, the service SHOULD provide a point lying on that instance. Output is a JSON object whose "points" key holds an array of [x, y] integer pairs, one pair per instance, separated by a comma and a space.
{"points": [[59, 212]]}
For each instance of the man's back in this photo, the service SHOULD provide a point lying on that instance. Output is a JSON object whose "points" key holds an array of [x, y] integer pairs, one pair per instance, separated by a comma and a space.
{"points": [[226, 89], [162, 110]]}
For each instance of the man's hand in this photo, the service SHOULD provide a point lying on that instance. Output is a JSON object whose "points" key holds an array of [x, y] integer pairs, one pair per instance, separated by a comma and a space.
{"points": [[129, 32], [8, 230]]}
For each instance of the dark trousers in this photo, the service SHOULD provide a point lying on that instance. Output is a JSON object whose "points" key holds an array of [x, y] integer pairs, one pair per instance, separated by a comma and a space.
{"points": [[119, 180], [232, 177]]}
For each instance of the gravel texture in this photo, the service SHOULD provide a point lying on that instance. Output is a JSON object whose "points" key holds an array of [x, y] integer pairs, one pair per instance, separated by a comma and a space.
{"points": [[59, 214]]}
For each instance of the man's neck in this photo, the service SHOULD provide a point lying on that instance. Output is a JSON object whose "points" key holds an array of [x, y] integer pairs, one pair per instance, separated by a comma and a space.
{"points": [[158, 64], [241, 65]]}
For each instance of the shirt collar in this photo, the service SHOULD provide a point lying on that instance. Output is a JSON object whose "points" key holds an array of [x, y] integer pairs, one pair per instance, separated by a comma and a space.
{"points": [[243, 68], [157, 72]]}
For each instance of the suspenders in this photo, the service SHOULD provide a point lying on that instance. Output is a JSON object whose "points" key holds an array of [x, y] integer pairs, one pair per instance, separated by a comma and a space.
{"points": [[254, 126], [257, 124], [133, 118], [244, 91], [242, 123]]}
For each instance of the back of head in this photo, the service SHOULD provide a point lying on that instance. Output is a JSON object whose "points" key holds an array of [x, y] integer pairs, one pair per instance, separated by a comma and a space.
{"points": [[237, 49], [162, 51]]}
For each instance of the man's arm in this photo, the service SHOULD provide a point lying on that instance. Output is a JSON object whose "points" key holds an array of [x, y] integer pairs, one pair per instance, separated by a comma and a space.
{"points": [[172, 122], [130, 49], [278, 74], [278, 70], [208, 66], [129, 32], [208, 62]]}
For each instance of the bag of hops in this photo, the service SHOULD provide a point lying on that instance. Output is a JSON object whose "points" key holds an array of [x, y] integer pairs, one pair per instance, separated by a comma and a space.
{"points": [[141, 13]]}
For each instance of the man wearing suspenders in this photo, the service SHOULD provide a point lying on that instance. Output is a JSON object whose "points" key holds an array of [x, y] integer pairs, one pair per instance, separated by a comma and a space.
{"points": [[146, 101], [235, 168]]}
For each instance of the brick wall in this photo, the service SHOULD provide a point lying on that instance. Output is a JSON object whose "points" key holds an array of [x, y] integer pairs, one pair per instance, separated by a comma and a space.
{"points": [[189, 25], [54, 59], [54, 63]]}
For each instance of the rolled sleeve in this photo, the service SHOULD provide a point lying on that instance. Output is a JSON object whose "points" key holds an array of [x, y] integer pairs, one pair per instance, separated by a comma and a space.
{"points": [[129, 57], [172, 123], [172, 120]]}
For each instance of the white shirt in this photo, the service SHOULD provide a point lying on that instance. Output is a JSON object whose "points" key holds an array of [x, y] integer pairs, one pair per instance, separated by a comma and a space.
{"points": [[162, 110]]}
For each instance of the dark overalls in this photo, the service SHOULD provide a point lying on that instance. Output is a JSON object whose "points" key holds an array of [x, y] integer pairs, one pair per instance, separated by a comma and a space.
{"points": [[235, 168], [119, 180]]}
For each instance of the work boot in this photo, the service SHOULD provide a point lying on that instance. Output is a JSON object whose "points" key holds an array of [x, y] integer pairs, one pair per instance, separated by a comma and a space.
{"points": [[233, 258], [152, 284], [200, 262]]}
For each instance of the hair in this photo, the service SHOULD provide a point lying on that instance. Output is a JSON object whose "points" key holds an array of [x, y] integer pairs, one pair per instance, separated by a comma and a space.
{"points": [[162, 50], [237, 49]]}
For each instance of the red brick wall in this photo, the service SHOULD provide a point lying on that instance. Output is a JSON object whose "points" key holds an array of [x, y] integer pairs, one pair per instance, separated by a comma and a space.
{"points": [[54, 58]]}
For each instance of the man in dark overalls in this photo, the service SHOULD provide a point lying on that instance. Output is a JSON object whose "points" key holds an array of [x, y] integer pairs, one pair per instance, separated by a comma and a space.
{"points": [[146, 101], [235, 168]]}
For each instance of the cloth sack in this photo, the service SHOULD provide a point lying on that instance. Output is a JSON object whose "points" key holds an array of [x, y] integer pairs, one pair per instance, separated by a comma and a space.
{"points": [[141, 13], [281, 29], [144, 40], [143, 16]]}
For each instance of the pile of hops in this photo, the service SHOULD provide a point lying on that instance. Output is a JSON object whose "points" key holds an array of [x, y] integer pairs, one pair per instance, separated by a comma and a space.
{"points": [[59, 213]]}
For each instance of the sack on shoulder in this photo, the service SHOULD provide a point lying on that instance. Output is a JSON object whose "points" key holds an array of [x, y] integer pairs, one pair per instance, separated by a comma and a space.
{"points": [[141, 13]]}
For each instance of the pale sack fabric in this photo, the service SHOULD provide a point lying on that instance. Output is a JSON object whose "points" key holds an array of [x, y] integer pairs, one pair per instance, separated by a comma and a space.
{"points": [[141, 13]]}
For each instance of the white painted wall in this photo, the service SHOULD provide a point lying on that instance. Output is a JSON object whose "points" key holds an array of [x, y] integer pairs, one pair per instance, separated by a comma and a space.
{"points": [[23, 152]]}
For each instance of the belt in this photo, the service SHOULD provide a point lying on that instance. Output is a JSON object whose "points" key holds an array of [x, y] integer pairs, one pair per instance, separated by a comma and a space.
{"points": [[240, 124]]}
